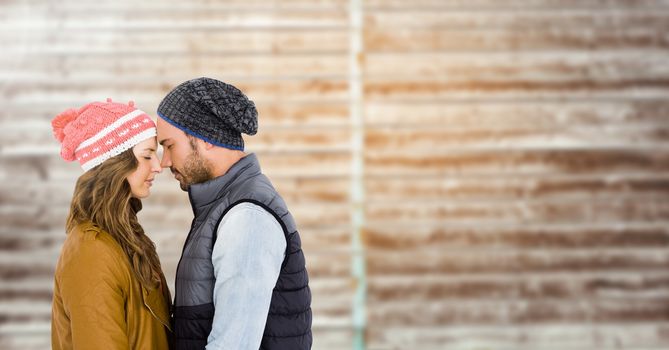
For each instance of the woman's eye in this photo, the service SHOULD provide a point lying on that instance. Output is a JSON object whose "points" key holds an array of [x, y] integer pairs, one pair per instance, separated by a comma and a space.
{"points": [[147, 158]]}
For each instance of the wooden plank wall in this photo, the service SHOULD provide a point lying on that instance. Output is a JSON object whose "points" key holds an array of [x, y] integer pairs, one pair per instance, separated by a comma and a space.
{"points": [[515, 154]]}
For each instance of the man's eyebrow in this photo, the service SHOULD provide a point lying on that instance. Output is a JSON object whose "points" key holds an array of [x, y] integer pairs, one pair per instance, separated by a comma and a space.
{"points": [[163, 141]]}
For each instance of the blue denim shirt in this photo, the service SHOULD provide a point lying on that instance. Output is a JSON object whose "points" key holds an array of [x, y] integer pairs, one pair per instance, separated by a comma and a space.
{"points": [[247, 258]]}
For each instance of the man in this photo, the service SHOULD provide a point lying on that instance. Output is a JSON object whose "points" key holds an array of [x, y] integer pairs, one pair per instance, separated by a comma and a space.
{"points": [[241, 281]]}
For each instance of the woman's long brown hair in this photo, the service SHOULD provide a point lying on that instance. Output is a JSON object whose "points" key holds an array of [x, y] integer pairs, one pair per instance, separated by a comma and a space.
{"points": [[102, 196]]}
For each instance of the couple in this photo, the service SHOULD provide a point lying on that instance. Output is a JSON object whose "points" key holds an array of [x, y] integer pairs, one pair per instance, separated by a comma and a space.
{"points": [[241, 281]]}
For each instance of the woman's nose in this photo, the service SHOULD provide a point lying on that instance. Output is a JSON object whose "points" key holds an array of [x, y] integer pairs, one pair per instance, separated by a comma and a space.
{"points": [[155, 166]]}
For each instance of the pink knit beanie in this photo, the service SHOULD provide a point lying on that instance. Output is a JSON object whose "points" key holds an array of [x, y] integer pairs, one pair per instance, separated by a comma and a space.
{"points": [[100, 130]]}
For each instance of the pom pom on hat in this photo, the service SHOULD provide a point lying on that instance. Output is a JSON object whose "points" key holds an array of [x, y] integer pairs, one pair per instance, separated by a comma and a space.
{"points": [[59, 123]]}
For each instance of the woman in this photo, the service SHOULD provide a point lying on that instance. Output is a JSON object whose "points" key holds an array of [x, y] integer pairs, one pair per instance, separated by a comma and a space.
{"points": [[109, 291]]}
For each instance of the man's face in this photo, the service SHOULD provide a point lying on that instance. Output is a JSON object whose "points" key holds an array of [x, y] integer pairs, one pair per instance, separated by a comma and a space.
{"points": [[181, 155]]}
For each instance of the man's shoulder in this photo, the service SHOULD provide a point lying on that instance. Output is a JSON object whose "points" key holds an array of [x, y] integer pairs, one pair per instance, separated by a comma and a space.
{"points": [[249, 217], [248, 210]]}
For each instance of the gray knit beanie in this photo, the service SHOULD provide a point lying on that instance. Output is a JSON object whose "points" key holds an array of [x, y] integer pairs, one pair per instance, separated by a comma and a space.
{"points": [[211, 110]]}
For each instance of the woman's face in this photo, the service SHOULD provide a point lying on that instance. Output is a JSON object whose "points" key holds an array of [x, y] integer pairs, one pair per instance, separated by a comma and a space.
{"points": [[149, 165]]}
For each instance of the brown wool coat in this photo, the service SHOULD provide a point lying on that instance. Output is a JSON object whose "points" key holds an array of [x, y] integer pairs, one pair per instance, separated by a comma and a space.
{"points": [[98, 303]]}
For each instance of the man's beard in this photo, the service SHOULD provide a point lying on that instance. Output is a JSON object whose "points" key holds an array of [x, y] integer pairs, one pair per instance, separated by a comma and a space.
{"points": [[195, 170]]}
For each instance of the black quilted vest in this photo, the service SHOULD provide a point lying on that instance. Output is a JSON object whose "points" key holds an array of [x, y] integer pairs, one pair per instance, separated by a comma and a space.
{"points": [[288, 323]]}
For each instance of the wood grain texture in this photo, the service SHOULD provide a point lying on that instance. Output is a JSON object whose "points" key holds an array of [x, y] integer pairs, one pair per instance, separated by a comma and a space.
{"points": [[515, 156]]}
